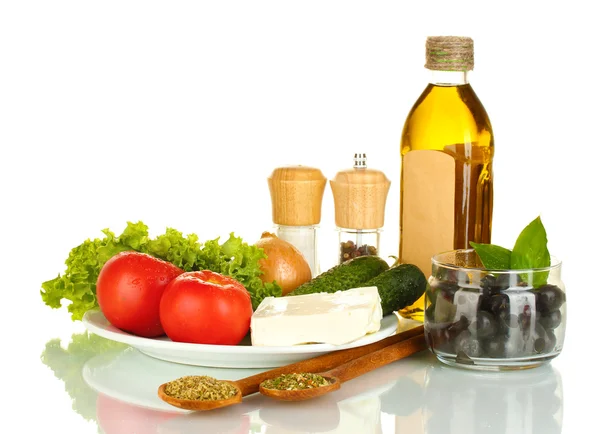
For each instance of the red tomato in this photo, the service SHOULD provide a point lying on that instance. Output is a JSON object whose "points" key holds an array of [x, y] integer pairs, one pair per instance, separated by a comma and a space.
{"points": [[129, 288], [204, 307]]}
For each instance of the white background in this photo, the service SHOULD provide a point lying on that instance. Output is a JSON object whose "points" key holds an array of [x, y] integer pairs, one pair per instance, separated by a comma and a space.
{"points": [[175, 113]]}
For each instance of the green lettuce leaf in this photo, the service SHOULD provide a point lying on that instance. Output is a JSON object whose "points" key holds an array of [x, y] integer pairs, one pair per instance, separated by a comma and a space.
{"points": [[239, 260], [173, 246], [77, 285]]}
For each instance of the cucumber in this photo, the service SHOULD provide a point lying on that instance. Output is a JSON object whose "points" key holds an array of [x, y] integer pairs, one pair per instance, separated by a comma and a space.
{"points": [[350, 274], [399, 286]]}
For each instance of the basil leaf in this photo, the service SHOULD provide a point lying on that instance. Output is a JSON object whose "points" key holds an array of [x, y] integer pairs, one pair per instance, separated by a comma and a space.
{"points": [[531, 251], [492, 257]]}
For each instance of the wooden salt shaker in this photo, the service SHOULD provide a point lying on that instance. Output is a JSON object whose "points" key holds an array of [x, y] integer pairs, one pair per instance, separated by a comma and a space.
{"points": [[359, 196], [296, 199]]}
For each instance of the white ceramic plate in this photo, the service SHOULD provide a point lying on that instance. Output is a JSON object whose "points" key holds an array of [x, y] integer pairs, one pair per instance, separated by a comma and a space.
{"points": [[226, 356]]}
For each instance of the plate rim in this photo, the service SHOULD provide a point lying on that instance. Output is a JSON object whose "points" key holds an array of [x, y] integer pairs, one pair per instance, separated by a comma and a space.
{"points": [[389, 325]]}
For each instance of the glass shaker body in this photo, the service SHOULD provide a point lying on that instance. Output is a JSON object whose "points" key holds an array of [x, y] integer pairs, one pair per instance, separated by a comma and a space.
{"points": [[304, 238], [357, 242]]}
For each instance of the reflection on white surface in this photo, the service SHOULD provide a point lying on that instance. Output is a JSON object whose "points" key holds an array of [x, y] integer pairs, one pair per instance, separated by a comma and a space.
{"points": [[469, 403], [127, 381], [453, 401], [133, 377], [67, 363], [116, 387]]}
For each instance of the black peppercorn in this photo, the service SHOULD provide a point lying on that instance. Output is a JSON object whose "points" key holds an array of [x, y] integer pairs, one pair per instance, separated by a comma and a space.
{"points": [[349, 250]]}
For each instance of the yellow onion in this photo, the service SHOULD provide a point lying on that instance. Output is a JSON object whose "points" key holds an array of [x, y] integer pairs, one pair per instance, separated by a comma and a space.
{"points": [[284, 263]]}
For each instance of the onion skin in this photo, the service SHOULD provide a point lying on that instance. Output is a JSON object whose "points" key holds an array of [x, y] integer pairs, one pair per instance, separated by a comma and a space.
{"points": [[284, 264]]}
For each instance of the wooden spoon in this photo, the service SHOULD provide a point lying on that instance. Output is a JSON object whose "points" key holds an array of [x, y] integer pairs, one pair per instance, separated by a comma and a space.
{"points": [[199, 405], [352, 369], [249, 385]]}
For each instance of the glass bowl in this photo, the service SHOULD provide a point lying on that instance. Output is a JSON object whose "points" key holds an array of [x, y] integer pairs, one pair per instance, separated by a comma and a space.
{"points": [[493, 319]]}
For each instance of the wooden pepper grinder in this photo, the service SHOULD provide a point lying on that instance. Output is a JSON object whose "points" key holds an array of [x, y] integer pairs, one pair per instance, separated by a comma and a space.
{"points": [[296, 198], [359, 195]]}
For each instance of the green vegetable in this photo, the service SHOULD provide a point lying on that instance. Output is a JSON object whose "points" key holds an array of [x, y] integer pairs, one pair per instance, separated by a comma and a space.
{"points": [[530, 252], [531, 249], [493, 257], [67, 364], [399, 286], [350, 274], [233, 258]]}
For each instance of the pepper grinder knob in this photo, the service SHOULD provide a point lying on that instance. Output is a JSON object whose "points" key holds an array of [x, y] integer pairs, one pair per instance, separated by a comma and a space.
{"points": [[360, 161]]}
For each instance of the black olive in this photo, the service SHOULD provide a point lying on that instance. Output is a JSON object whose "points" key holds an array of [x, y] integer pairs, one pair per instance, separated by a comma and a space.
{"points": [[549, 298], [507, 280], [485, 325], [550, 320], [495, 284], [487, 283], [499, 306]]}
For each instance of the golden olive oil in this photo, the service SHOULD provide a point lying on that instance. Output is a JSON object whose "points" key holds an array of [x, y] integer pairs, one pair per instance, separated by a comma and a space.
{"points": [[446, 193]]}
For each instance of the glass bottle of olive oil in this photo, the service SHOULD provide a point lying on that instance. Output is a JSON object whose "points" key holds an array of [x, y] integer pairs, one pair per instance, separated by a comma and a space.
{"points": [[446, 150]]}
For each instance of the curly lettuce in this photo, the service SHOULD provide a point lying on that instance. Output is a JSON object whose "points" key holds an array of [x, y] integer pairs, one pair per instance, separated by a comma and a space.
{"points": [[234, 258]]}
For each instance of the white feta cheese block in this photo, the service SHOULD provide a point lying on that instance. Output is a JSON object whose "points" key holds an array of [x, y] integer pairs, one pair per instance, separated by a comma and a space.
{"points": [[336, 319]]}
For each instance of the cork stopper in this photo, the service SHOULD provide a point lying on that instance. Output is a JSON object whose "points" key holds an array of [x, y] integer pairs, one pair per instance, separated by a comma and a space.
{"points": [[449, 53], [359, 196], [296, 195]]}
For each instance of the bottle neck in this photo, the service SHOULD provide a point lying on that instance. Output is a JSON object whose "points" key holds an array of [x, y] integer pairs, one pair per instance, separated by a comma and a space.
{"points": [[449, 78]]}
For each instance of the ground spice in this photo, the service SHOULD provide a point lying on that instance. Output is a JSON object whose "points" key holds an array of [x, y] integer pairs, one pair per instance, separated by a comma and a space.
{"points": [[295, 382], [200, 388]]}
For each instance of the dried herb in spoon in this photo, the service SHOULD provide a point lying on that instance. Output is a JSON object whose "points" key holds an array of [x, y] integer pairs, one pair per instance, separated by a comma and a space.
{"points": [[295, 382], [202, 388]]}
